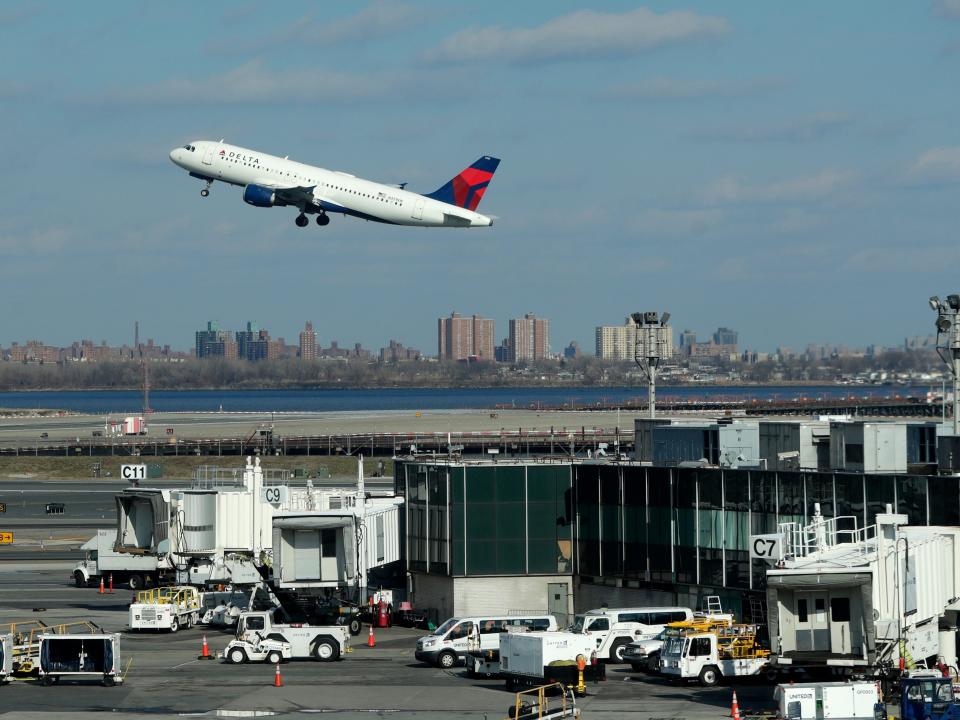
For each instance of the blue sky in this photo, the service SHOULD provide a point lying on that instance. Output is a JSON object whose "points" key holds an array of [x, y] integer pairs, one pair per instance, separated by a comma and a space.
{"points": [[791, 170]]}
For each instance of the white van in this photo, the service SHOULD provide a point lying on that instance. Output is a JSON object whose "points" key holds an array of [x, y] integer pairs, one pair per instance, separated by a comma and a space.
{"points": [[615, 628], [451, 641]]}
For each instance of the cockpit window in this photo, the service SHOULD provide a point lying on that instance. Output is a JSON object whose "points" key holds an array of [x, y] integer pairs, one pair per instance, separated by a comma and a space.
{"points": [[191, 148]]}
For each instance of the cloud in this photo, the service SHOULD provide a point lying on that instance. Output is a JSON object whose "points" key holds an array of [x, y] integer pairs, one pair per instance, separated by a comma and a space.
{"points": [[947, 8], [38, 242], [731, 190], [581, 35], [254, 84], [805, 129], [673, 89], [678, 223], [937, 166], [378, 20]]}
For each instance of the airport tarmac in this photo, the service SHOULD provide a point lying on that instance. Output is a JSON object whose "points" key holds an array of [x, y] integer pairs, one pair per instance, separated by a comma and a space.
{"points": [[165, 678], [213, 425]]}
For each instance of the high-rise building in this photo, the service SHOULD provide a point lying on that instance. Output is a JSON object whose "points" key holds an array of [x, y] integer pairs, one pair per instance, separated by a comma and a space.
{"points": [[459, 338], [618, 342], [308, 343], [725, 336], [529, 339], [253, 344], [214, 342]]}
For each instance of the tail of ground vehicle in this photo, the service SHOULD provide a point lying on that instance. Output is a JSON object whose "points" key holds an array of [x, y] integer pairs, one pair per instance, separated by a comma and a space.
{"points": [[613, 629], [321, 642], [536, 658], [6, 659], [101, 560], [817, 700], [452, 640], [542, 703], [80, 656], [168, 608], [720, 653]]}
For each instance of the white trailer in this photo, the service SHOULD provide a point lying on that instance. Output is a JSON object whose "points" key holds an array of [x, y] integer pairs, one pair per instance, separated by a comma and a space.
{"points": [[6, 658], [320, 642], [856, 599], [168, 608], [102, 560], [538, 658], [80, 656], [827, 700]]}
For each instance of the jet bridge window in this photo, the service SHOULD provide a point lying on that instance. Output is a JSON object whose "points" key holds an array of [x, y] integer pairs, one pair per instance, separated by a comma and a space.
{"points": [[840, 609]]}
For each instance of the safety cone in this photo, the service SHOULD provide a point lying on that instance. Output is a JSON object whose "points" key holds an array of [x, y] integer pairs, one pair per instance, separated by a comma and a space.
{"points": [[111, 583], [370, 641], [735, 708], [205, 652], [277, 680], [101, 585]]}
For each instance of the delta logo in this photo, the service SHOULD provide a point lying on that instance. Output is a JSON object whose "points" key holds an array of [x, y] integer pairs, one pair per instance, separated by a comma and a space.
{"points": [[239, 157]]}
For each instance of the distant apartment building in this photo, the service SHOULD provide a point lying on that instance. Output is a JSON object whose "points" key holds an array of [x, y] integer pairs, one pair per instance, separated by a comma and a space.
{"points": [[460, 338], [396, 352], [618, 342], [725, 336], [529, 339], [34, 352], [214, 342], [308, 342]]}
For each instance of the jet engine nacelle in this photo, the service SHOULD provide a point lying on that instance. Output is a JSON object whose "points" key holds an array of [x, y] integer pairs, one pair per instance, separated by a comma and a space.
{"points": [[259, 196]]}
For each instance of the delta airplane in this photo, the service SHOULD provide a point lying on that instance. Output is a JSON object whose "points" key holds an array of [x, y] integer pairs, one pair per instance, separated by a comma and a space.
{"points": [[270, 181]]}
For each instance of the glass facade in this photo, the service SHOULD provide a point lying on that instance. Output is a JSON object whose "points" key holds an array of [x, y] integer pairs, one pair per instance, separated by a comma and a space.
{"points": [[491, 519], [665, 527]]}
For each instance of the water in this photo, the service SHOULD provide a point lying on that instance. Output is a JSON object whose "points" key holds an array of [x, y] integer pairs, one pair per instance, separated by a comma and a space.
{"points": [[120, 401]]}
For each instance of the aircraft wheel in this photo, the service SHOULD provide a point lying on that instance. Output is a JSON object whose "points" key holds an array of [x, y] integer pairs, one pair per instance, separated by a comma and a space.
{"points": [[323, 219], [204, 192], [302, 220]]}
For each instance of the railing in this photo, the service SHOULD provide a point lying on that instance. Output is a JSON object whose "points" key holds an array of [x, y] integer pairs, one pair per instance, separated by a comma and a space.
{"points": [[801, 541], [206, 477]]}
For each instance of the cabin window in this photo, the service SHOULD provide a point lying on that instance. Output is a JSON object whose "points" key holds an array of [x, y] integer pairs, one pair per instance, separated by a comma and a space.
{"points": [[840, 609]]}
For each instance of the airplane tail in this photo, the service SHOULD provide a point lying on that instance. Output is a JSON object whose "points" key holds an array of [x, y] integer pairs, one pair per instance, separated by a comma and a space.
{"points": [[466, 189]]}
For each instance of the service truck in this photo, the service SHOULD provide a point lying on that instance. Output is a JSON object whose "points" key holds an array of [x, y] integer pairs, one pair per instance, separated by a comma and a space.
{"points": [[538, 658], [708, 656], [644, 655], [167, 608], [612, 629], [321, 642], [102, 561], [6, 658]]}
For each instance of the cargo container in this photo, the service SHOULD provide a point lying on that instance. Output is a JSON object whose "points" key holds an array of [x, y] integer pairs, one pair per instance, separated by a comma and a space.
{"points": [[827, 700], [538, 658], [79, 657], [6, 658]]}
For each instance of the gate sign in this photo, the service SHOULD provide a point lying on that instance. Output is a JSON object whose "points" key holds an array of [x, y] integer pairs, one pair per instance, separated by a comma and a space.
{"points": [[6, 538], [133, 472], [275, 494], [766, 547]]}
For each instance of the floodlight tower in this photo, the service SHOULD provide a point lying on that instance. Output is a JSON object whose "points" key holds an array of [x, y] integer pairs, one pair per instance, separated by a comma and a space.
{"points": [[652, 345], [948, 345]]}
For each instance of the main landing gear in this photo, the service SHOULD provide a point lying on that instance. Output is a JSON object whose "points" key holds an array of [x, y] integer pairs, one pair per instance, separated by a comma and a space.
{"points": [[302, 220], [323, 219]]}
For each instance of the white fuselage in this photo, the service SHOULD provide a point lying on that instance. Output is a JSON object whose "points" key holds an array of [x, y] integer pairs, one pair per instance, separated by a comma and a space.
{"points": [[329, 191]]}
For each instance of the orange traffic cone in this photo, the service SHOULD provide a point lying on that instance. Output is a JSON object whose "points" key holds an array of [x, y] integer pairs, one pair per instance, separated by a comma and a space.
{"points": [[277, 680], [111, 583], [205, 652], [735, 708], [101, 584], [370, 641]]}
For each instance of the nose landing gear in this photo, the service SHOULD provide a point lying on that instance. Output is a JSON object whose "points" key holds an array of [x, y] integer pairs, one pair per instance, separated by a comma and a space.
{"points": [[206, 191]]}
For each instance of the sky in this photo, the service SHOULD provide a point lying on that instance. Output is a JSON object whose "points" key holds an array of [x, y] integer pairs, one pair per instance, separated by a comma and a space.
{"points": [[790, 170]]}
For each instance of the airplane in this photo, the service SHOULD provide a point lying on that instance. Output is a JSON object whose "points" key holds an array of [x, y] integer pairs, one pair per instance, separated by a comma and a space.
{"points": [[270, 181]]}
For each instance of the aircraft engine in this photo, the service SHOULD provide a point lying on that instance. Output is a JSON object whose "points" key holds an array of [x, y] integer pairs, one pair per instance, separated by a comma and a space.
{"points": [[259, 196]]}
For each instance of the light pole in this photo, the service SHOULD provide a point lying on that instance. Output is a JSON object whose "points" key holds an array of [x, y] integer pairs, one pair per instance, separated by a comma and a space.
{"points": [[948, 345], [652, 344]]}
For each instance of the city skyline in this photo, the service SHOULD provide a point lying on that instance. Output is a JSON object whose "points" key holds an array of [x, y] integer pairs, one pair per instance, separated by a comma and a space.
{"points": [[752, 164]]}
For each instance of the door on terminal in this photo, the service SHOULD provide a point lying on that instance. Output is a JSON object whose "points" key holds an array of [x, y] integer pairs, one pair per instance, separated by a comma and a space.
{"points": [[557, 603], [813, 628]]}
